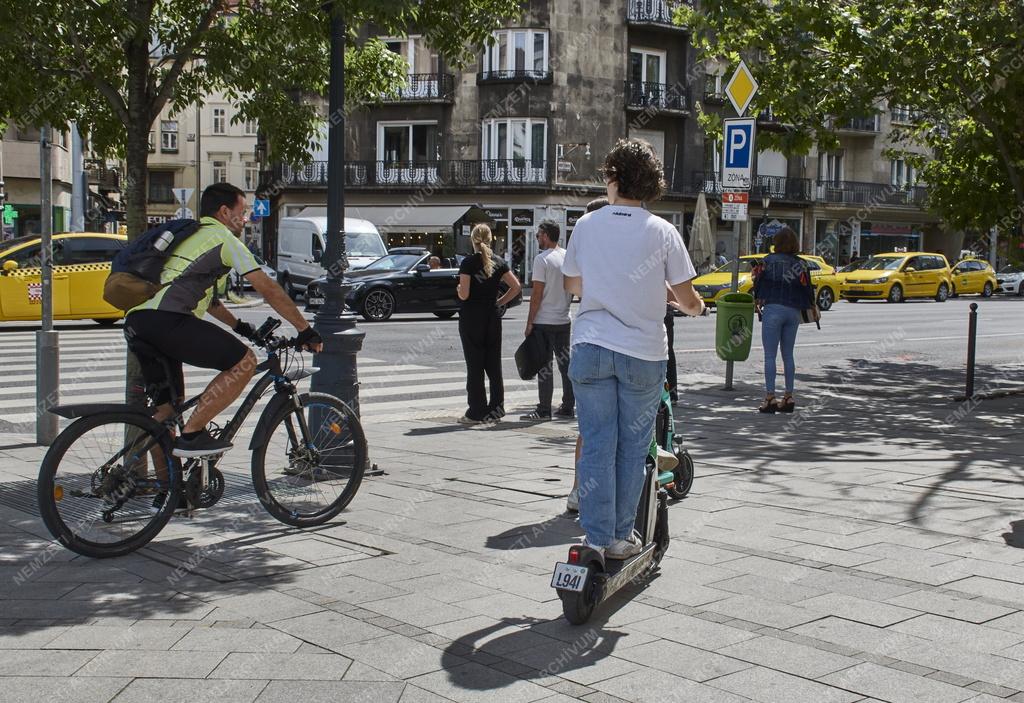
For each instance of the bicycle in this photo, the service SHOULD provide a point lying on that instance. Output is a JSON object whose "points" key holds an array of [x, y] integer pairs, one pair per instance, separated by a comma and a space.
{"points": [[96, 487]]}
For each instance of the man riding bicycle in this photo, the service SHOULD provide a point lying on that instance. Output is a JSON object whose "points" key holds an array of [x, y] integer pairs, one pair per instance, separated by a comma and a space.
{"points": [[171, 321]]}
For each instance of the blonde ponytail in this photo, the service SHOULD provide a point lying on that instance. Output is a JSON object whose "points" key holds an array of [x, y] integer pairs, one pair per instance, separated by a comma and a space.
{"points": [[481, 238]]}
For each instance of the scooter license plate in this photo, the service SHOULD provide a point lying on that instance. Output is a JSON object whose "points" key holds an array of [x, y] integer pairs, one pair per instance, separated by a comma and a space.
{"points": [[569, 577], [316, 301]]}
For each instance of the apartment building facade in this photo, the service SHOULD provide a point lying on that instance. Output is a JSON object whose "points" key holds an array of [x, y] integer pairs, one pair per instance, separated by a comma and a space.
{"points": [[19, 171], [204, 135], [518, 136]]}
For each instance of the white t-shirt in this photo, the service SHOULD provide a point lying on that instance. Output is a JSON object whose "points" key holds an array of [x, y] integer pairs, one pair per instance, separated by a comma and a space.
{"points": [[625, 256], [554, 305]]}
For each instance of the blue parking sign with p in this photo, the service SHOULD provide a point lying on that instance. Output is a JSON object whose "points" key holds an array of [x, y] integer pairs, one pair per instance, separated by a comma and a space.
{"points": [[738, 159]]}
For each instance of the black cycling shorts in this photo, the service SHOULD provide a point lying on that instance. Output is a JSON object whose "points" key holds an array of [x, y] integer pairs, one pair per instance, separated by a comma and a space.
{"points": [[182, 339]]}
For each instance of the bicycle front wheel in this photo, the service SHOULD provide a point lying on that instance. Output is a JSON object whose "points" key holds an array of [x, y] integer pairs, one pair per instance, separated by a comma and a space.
{"points": [[310, 463], [99, 484]]}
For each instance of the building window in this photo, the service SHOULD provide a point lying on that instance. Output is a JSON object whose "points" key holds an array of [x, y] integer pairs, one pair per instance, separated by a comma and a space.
{"points": [[901, 174], [410, 141], [220, 120], [830, 166], [251, 128], [252, 175], [514, 149], [404, 47], [152, 141], [161, 187], [898, 113], [647, 66], [517, 53], [220, 171], [169, 136]]}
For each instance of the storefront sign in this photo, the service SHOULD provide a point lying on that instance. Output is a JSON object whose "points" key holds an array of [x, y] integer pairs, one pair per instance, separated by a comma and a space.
{"points": [[522, 218], [572, 217], [496, 214]]}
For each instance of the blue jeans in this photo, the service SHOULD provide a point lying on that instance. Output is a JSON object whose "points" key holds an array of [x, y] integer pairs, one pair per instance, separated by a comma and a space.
{"points": [[779, 324], [616, 402]]}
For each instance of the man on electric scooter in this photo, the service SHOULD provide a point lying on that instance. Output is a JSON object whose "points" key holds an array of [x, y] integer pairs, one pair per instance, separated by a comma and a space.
{"points": [[618, 262]]}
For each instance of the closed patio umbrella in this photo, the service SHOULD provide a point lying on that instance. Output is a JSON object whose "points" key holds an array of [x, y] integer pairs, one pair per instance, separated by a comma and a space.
{"points": [[702, 243]]}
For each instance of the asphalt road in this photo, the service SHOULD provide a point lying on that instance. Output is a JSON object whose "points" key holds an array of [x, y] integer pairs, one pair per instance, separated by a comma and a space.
{"points": [[927, 332]]}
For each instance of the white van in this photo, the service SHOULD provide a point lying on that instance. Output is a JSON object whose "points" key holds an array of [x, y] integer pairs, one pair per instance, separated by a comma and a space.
{"points": [[301, 244]]}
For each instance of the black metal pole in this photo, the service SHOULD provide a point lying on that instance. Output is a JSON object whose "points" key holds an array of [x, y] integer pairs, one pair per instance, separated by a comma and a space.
{"points": [[972, 334], [342, 341]]}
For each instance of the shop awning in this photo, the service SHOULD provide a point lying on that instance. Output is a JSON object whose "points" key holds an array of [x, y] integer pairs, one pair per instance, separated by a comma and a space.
{"points": [[410, 219]]}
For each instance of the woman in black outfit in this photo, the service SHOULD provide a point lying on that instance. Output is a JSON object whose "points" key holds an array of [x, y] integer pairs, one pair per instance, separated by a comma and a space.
{"points": [[480, 326]]}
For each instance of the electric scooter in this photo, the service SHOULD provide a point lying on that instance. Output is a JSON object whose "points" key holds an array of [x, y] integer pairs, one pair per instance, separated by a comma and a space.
{"points": [[678, 479]]}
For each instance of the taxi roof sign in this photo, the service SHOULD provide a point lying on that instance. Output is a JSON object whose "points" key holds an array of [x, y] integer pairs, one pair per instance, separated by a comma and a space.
{"points": [[741, 88]]}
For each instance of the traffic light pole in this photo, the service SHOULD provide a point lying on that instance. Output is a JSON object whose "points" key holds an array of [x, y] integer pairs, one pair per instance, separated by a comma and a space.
{"points": [[47, 352]]}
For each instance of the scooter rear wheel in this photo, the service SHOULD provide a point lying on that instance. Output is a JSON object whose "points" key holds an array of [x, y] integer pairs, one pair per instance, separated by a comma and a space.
{"points": [[683, 476], [578, 606]]}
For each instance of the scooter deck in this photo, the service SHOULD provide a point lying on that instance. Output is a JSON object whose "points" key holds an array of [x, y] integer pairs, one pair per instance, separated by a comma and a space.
{"points": [[619, 572]]}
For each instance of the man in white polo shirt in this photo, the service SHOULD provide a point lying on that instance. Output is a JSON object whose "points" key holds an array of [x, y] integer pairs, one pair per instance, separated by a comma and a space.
{"points": [[549, 318]]}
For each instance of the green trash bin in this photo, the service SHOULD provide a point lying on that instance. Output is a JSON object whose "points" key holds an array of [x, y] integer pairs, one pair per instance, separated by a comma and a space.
{"points": [[734, 328]]}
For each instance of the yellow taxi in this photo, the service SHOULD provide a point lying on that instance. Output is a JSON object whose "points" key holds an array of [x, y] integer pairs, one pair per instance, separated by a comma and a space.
{"points": [[711, 286], [972, 276], [81, 263], [898, 276]]}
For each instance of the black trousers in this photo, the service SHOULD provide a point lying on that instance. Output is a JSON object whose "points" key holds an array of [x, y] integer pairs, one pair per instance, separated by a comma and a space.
{"points": [[671, 379], [480, 332], [556, 342]]}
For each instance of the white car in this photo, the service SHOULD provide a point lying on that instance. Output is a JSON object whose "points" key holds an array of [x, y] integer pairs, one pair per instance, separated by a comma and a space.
{"points": [[1010, 279]]}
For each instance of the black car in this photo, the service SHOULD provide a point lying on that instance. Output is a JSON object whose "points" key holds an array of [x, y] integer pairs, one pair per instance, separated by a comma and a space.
{"points": [[402, 281]]}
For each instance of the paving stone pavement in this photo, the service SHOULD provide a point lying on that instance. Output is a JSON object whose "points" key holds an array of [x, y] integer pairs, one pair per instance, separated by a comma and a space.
{"points": [[867, 548]]}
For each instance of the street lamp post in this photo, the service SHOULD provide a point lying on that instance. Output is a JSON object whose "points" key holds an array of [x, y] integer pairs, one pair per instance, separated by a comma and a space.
{"points": [[766, 201], [342, 341]]}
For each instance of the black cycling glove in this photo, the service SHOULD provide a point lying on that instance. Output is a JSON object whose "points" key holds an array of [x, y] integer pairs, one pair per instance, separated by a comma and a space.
{"points": [[244, 329], [308, 336]]}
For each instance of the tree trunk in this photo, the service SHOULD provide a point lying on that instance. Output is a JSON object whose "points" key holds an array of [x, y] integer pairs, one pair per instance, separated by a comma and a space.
{"points": [[136, 158]]}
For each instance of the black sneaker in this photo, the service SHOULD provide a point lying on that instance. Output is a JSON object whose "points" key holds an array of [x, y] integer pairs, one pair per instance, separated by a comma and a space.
{"points": [[203, 444], [161, 498], [535, 416], [565, 412]]}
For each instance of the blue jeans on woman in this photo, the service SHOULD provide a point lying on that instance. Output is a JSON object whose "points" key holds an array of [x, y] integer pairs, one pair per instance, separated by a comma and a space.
{"points": [[779, 324], [617, 400]]}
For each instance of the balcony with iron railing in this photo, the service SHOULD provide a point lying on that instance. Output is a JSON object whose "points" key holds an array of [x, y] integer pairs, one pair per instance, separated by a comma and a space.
{"points": [[463, 173], [778, 188], [656, 97], [714, 91], [861, 193], [654, 13], [867, 126], [425, 87], [106, 180], [514, 76]]}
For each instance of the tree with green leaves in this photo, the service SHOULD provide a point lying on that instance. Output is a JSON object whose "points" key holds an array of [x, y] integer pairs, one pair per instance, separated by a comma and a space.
{"points": [[957, 66], [112, 66]]}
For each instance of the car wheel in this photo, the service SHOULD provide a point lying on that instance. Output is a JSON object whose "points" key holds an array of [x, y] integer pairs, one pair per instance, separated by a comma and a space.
{"points": [[378, 305], [1020, 289], [895, 293], [825, 298], [987, 291], [446, 315], [286, 283], [943, 293]]}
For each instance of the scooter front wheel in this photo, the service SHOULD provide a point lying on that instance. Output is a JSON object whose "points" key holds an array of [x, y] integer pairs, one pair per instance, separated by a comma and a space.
{"points": [[578, 606], [683, 476]]}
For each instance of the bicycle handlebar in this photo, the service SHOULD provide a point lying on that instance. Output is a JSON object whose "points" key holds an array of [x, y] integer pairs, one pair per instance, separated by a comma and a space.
{"points": [[264, 337]]}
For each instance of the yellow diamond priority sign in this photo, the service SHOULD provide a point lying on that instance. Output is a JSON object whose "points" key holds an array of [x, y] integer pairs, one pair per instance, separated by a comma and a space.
{"points": [[741, 88]]}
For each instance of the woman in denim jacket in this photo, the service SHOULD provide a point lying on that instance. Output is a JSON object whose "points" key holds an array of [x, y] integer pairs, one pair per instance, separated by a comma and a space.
{"points": [[782, 289]]}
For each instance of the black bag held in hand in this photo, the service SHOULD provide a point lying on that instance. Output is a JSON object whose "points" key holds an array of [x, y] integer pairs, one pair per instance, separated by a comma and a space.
{"points": [[531, 357]]}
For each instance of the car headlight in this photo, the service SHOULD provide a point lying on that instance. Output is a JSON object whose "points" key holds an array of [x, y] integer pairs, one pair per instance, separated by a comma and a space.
{"points": [[882, 279]]}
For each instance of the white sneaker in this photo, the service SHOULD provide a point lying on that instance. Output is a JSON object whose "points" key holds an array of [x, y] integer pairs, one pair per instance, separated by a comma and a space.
{"points": [[572, 501], [625, 548], [585, 543], [466, 420], [666, 460]]}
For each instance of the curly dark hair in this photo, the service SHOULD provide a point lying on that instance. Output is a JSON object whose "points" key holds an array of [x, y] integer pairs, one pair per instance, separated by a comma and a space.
{"points": [[638, 171]]}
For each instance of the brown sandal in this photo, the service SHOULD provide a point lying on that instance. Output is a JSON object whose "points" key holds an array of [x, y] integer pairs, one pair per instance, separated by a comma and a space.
{"points": [[770, 405], [787, 404]]}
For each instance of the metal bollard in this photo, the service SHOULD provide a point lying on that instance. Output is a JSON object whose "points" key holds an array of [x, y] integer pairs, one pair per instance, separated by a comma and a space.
{"points": [[972, 333]]}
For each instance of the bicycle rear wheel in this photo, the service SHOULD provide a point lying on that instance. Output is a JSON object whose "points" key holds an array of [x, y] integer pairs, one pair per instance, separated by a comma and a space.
{"points": [[99, 479], [310, 463]]}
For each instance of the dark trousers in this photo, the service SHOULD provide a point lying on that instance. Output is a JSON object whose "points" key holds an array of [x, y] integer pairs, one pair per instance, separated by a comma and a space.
{"points": [[480, 331], [556, 344], [671, 379]]}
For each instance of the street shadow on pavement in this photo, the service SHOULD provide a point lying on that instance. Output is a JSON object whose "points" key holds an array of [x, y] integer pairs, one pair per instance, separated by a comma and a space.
{"points": [[562, 529], [861, 418], [543, 648], [1015, 538]]}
